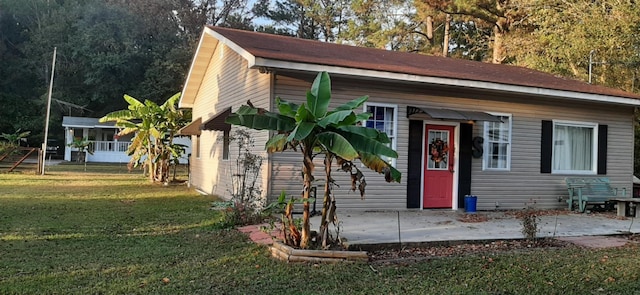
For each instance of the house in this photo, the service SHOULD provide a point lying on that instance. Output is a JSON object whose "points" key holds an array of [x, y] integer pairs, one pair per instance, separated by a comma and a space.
{"points": [[104, 142], [507, 134]]}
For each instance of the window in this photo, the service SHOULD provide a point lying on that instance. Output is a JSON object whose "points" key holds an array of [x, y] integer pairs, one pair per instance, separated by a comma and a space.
{"points": [[197, 147], [497, 144], [384, 118], [574, 147], [226, 142]]}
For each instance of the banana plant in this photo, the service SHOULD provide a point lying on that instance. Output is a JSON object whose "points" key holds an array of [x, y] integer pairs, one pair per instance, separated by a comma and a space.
{"points": [[154, 127], [312, 129], [15, 138]]}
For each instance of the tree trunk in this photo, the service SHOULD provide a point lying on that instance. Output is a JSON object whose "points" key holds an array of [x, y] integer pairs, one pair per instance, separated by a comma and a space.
{"points": [[445, 42], [326, 203], [430, 29], [150, 156], [498, 46], [307, 173]]}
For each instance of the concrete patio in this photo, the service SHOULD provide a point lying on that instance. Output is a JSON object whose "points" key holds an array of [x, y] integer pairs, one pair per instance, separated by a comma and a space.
{"points": [[387, 227]]}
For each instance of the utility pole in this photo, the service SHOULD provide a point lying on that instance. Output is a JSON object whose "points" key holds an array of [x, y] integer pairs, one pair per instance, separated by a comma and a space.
{"points": [[46, 123]]}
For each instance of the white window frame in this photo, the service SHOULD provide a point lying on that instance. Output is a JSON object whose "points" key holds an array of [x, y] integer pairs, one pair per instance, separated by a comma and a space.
{"points": [[594, 147], [394, 138], [485, 145], [226, 146], [197, 141]]}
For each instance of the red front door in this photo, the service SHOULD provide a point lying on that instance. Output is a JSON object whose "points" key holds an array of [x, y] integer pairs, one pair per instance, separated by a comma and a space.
{"points": [[438, 166]]}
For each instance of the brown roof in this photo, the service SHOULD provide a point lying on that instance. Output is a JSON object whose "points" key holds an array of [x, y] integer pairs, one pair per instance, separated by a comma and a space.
{"points": [[290, 49]]}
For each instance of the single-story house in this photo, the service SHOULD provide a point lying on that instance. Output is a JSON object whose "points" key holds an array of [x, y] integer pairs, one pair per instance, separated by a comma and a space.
{"points": [[507, 134], [107, 147]]}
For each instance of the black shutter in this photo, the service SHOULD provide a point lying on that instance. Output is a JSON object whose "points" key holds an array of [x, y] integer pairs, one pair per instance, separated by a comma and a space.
{"points": [[414, 173], [546, 146], [464, 162], [602, 149]]}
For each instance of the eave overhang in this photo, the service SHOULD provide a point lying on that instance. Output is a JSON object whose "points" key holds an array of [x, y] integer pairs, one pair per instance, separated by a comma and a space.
{"points": [[481, 85]]}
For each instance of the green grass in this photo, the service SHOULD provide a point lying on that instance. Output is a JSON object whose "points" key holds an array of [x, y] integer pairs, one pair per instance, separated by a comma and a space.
{"points": [[106, 231]]}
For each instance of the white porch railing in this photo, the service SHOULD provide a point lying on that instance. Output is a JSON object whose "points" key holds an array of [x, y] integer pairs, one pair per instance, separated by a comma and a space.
{"points": [[110, 146]]}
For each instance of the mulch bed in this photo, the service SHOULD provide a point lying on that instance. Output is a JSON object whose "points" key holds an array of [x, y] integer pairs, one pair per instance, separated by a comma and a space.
{"points": [[522, 213], [472, 218], [413, 254], [485, 249]]}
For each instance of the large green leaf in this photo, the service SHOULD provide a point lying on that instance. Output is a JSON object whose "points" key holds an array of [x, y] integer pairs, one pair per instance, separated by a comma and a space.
{"points": [[354, 104], [246, 110], [150, 104], [379, 165], [252, 118], [367, 132], [132, 101], [304, 115], [118, 115], [338, 145], [319, 97], [368, 145], [286, 108], [170, 104], [277, 143], [346, 117], [301, 131], [363, 116]]}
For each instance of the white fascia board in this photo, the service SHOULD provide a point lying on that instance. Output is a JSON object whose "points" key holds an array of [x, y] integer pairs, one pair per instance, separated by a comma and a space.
{"points": [[181, 102], [90, 126], [261, 62], [251, 59], [220, 38]]}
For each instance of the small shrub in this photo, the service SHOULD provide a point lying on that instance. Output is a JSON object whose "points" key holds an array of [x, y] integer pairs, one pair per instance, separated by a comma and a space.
{"points": [[529, 220], [246, 201]]}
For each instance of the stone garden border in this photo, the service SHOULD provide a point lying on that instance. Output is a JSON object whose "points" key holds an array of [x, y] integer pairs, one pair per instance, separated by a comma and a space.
{"points": [[289, 254]]}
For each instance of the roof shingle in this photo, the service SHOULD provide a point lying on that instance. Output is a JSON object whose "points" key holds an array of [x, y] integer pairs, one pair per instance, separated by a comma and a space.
{"points": [[321, 53]]}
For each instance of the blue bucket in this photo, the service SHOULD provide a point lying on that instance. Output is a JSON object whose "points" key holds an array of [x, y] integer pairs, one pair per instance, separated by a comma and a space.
{"points": [[470, 203]]}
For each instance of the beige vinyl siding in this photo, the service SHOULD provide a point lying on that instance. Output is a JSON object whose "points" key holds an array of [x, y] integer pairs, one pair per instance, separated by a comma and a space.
{"points": [[524, 185], [380, 195], [228, 82], [518, 188]]}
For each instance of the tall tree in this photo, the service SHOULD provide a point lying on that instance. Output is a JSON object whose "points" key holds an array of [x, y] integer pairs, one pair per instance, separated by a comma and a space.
{"points": [[567, 33], [287, 17], [500, 15], [388, 24], [105, 48]]}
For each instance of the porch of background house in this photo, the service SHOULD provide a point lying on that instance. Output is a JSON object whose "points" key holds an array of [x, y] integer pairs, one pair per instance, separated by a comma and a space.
{"points": [[105, 145]]}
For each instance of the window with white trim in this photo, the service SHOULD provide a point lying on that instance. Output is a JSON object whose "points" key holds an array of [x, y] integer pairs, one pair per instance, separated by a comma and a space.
{"points": [[497, 144], [197, 146], [226, 142], [384, 117], [574, 147]]}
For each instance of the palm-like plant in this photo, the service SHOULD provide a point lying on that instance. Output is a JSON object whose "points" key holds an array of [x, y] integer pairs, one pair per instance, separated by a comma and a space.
{"points": [[314, 130], [154, 127], [15, 138], [83, 146]]}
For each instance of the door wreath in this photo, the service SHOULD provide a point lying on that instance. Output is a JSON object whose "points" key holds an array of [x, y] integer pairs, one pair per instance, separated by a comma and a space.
{"points": [[438, 150]]}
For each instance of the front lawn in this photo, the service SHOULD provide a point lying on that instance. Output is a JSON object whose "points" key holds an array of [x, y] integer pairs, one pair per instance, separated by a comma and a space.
{"points": [[107, 231]]}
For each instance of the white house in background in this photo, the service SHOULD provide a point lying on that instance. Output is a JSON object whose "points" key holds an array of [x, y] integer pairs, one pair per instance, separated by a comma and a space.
{"points": [[106, 146]]}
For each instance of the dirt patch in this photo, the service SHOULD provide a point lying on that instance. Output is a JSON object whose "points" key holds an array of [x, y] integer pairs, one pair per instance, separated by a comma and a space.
{"points": [[609, 214], [522, 213], [415, 253], [419, 253], [473, 218]]}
